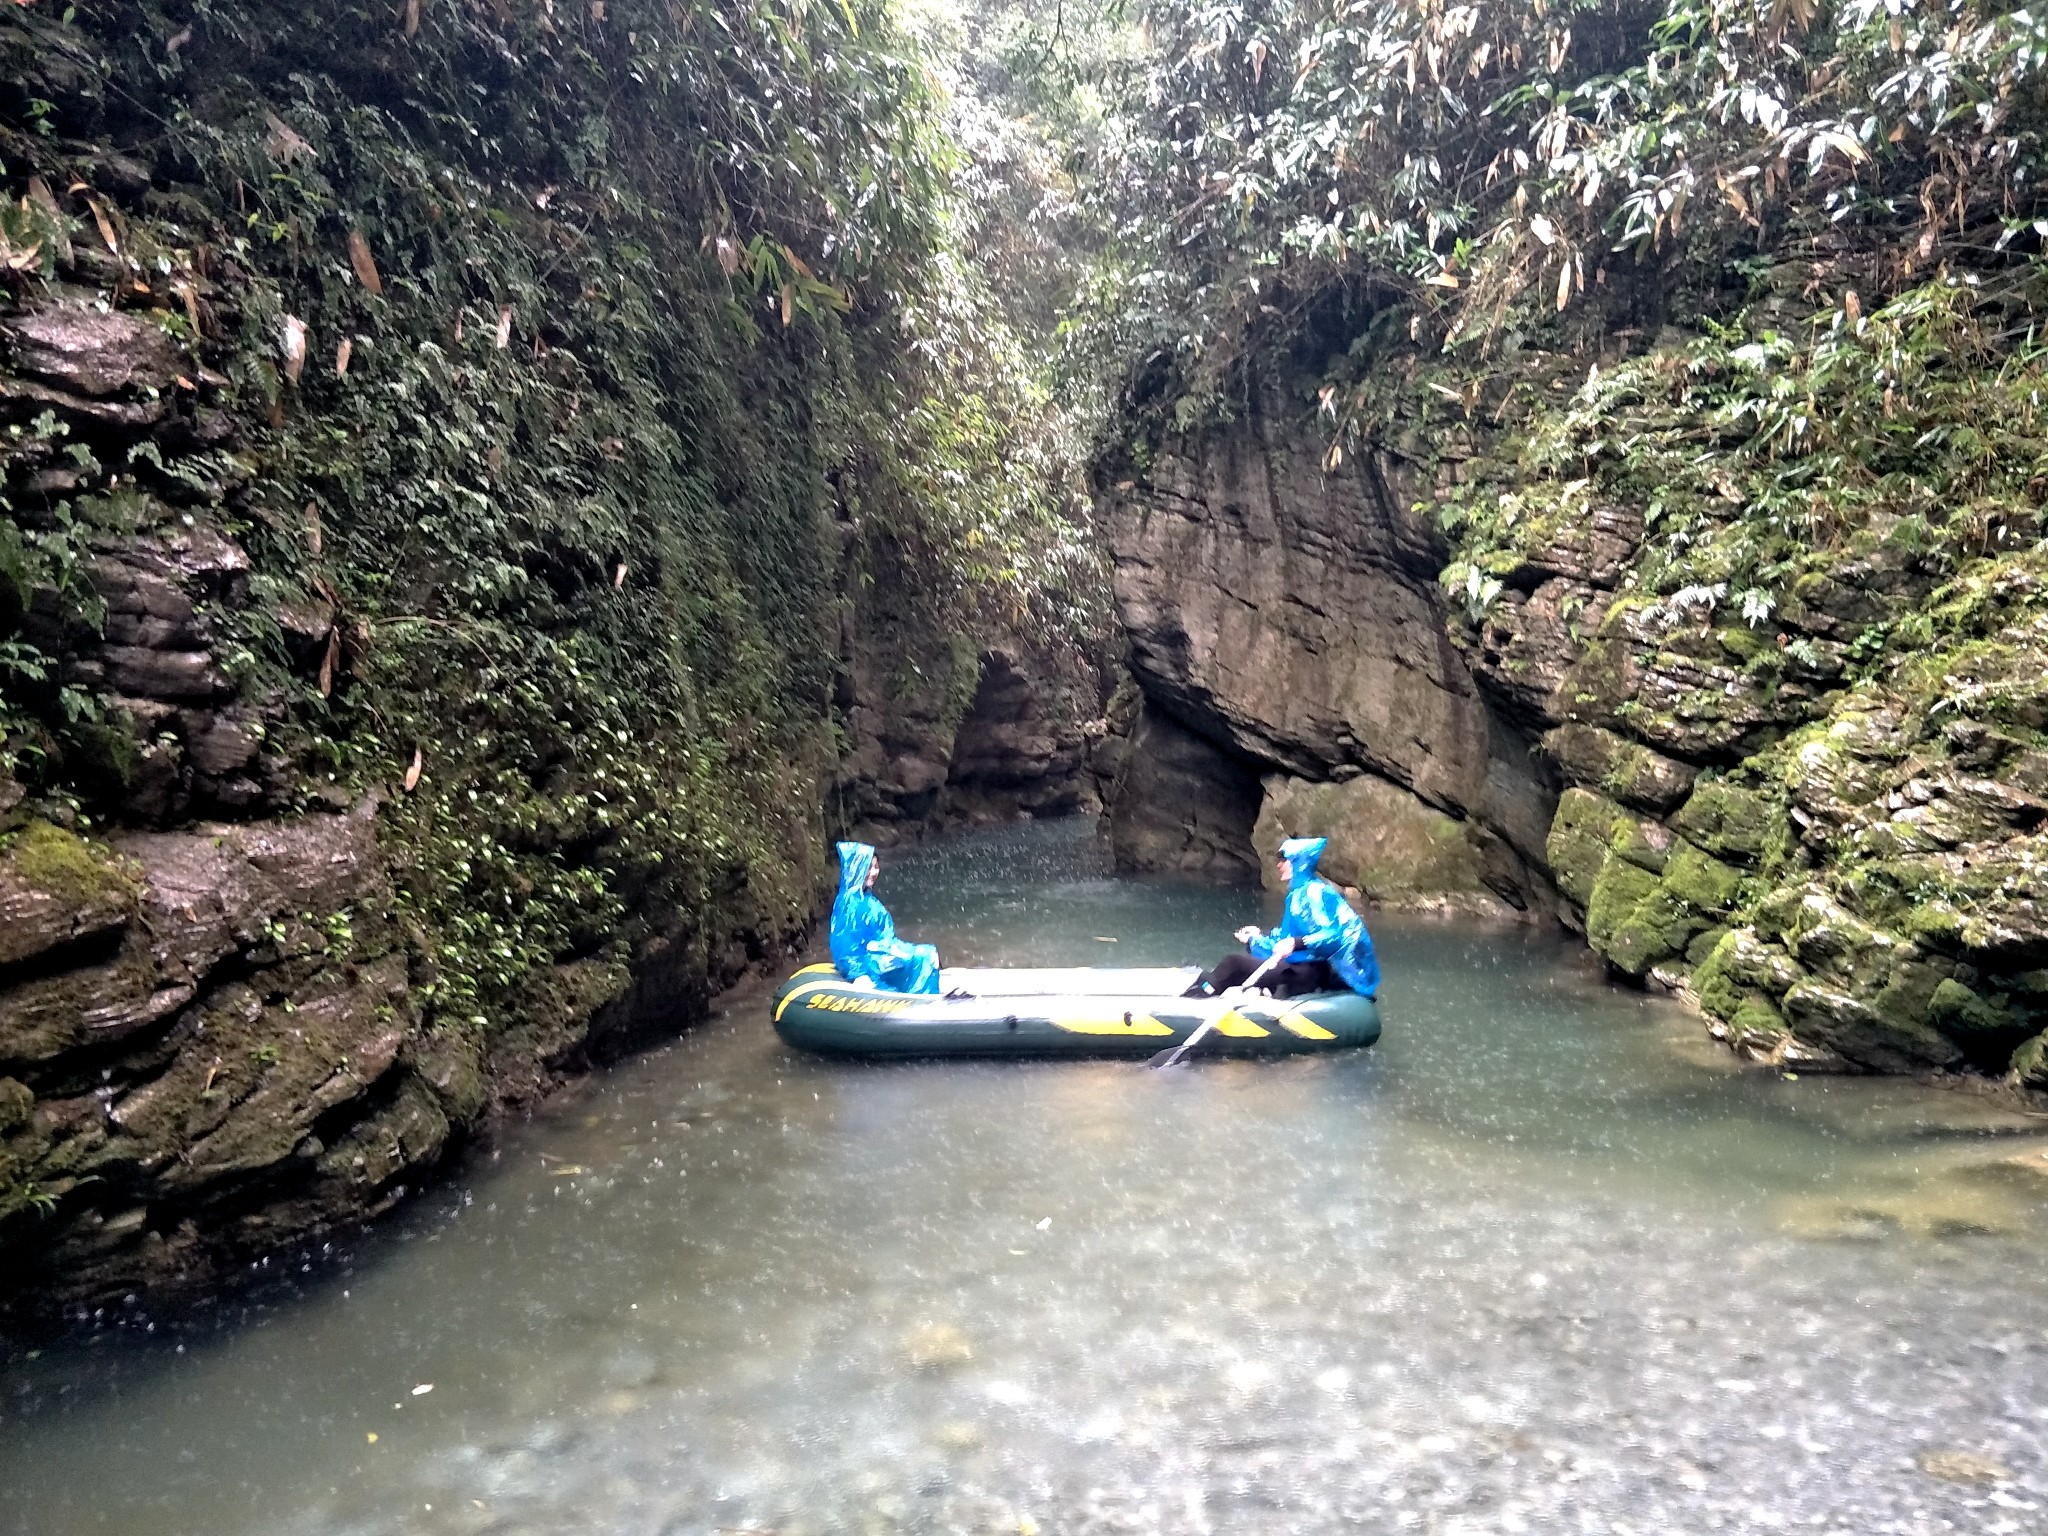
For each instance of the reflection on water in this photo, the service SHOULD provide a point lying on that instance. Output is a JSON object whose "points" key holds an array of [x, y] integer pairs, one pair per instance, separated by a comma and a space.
{"points": [[1534, 1263]]}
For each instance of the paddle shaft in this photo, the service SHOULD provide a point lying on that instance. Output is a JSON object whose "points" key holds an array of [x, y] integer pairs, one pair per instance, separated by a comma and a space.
{"points": [[1173, 1054]]}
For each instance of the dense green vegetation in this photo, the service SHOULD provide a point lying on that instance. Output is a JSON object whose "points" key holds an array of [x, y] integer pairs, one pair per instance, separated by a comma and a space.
{"points": [[596, 369], [604, 372]]}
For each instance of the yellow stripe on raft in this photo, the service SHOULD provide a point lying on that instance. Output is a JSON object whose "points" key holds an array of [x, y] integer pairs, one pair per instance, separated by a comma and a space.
{"points": [[812, 970], [799, 994], [1307, 1028], [1130, 1023], [1236, 1024]]}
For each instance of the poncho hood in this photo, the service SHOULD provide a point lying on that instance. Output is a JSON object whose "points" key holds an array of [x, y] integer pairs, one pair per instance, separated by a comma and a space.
{"points": [[1301, 854], [855, 860]]}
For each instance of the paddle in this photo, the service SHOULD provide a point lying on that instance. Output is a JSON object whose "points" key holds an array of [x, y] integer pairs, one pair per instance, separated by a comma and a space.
{"points": [[1173, 1053]]}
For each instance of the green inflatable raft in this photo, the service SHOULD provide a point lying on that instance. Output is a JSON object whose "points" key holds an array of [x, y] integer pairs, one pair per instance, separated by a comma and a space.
{"points": [[1074, 1012]]}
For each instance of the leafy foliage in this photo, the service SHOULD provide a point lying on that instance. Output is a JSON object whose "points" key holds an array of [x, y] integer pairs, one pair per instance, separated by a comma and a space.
{"points": [[1472, 166], [566, 341]]}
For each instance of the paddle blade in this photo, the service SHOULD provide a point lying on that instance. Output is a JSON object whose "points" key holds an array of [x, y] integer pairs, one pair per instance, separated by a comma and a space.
{"points": [[1169, 1056]]}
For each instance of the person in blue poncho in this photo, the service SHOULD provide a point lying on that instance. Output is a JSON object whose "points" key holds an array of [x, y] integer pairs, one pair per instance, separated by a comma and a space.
{"points": [[864, 942], [1321, 942]]}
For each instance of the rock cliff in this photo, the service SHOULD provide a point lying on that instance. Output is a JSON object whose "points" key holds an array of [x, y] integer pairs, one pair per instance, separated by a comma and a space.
{"points": [[1465, 655], [1290, 640], [444, 610]]}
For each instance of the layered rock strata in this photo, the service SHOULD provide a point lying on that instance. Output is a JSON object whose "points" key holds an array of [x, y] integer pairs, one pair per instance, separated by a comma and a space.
{"points": [[1288, 634], [1841, 867]]}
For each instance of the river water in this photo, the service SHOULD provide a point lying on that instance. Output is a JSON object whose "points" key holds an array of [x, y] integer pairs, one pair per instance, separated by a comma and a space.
{"points": [[1542, 1260]]}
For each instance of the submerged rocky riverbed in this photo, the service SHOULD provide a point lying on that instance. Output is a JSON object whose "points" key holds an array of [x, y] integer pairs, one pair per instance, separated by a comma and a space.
{"points": [[1542, 1260]]}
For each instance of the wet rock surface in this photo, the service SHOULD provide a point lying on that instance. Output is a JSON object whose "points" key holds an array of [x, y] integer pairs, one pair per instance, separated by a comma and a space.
{"points": [[1689, 788], [1290, 617], [199, 1078]]}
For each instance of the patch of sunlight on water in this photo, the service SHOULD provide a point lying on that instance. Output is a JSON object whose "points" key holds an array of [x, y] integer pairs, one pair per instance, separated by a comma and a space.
{"points": [[1537, 1262]]}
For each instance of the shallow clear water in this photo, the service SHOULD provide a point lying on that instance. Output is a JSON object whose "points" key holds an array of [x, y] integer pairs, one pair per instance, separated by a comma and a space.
{"points": [[1539, 1261]]}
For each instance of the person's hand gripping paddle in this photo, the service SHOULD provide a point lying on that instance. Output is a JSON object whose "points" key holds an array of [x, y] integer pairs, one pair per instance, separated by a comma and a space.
{"points": [[1173, 1053]]}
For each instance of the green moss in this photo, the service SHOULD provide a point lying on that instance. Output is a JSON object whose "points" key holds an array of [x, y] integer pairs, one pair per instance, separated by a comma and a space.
{"points": [[1755, 1015], [68, 867], [1703, 944], [1912, 991], [1699, 879], [1633, 920], [2030, 1064], [1581, 833], [1725, 819], [1956, 1010], [1742, 643], [1645, 844]]}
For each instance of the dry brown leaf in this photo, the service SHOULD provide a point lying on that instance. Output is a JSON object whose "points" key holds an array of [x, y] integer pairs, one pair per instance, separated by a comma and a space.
{"points": [[329, 661], [40, 194], [504, 326], [365, 264], [412, 17], [190, 295], [619, 576], [177, 40], [285, 143], [102, 217], [1963, 1467], [313, 526], [788, 299], [728, 252], [294, 347], [412, 774], [1853, 305], [342, 354], [1564, 285], [799, 263]]}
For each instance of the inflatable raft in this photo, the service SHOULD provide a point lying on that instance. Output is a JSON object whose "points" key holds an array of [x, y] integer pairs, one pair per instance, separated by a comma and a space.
{"points": [[1075, 1012]]}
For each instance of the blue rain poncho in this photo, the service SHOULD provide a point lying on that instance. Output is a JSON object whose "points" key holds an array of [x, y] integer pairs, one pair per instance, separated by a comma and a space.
{"points": [[1320, 921], [864, 942]]}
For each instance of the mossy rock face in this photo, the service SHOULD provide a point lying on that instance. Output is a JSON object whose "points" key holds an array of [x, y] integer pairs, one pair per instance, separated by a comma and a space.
{"points": [[2030, 1064], [1581, 834], [1623, 769], [1863, 1035], [451, 1061], [66, 866], [1633, 920], [1755, 1023], [56, 888], [1726, 820], [1699, 879], [1383, 841], [1957, 1011], [1823, 934], [1741, 644], [1741, 964], [1645, 844], [1703, 944]]}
